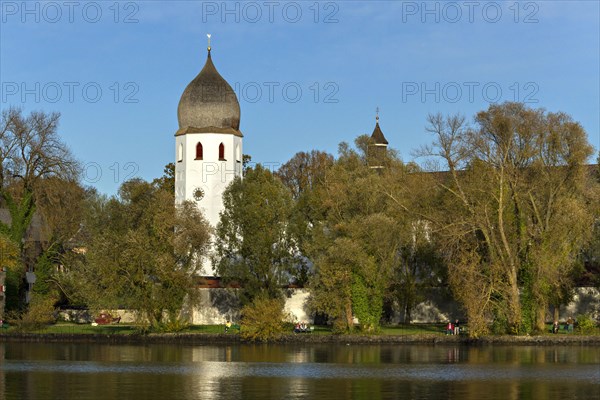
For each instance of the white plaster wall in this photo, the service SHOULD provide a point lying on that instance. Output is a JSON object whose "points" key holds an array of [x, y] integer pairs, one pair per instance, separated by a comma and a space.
{"points": [[295, 305], [585, 301], [209, 174], [216, 306]]}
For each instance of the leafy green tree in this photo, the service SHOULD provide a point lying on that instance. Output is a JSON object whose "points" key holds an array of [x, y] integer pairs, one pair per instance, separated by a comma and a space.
{"points": [[348, 198], [419, 268], [61, 207], [355, 247], [304, 172], [31, 152], [332, 284], [141, 253], [11, 260], [304, 175], [167, 181], [33, 162], [516, 213], [254, 247], [590, 271]]}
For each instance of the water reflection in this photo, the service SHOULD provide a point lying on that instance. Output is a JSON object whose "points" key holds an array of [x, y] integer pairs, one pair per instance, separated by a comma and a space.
{"points": [[40, 371]]}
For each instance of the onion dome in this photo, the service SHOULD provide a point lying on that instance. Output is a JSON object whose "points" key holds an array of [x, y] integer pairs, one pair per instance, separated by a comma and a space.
{"points": [[209, 104]]}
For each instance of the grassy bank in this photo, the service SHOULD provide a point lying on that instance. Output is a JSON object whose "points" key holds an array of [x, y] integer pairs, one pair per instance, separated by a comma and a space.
{"points": [[126, 329], [203, 334]]}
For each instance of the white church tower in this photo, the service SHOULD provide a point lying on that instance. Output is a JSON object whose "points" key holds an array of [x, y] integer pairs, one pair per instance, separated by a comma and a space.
{"points": [[208, 144]]}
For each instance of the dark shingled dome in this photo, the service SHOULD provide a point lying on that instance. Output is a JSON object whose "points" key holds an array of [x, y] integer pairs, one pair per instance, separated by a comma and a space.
{"points": [[377, 135], [209, 102]]}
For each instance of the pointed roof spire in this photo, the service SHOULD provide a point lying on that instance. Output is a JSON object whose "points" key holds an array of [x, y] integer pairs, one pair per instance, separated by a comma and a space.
{"points": [[208, 35], [377, 134]]}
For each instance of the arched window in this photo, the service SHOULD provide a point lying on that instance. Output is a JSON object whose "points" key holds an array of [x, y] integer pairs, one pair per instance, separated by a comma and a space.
{"points": [[180, 153], [222, 152], [199, 152]]}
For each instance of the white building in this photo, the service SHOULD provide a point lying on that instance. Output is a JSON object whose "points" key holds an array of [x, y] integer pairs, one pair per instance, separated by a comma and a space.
{"points": [[208, 144]]}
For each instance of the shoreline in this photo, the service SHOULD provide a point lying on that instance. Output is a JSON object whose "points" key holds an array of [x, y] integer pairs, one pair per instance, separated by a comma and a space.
{"points": [[206, 338]]}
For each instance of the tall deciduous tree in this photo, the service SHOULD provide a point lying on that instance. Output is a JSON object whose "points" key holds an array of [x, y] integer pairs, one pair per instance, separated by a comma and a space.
{"points": [[419, 268], [10, 259], [142, 252], [37, 173], [591, 255], [60, 205], [304, 174], [355, 246], [305, 171], [31, 152], [516, 212], [167, 181], [254, 247]]}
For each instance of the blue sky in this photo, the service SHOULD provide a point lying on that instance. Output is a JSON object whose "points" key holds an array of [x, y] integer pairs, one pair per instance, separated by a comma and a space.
{"points": [[308, 74]]}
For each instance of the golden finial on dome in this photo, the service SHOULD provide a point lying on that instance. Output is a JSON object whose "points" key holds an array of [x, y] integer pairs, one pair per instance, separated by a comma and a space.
{"points": [[208, 36]]}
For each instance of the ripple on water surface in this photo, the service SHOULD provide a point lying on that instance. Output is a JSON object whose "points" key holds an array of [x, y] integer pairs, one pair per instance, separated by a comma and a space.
{"points": [[310, 370]]}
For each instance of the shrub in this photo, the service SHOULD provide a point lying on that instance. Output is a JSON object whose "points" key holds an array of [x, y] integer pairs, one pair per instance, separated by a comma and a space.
{"points": [[40, 313], [263, 319], [585, 324], [171, 325]]}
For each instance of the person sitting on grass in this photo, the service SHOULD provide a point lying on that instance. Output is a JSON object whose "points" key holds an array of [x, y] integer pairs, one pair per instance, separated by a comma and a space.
{"points": [[301, 327], [227, 326]]}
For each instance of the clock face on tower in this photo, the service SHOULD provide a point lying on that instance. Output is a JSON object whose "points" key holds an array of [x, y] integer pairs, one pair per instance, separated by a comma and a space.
{"points": [[198, 194]]}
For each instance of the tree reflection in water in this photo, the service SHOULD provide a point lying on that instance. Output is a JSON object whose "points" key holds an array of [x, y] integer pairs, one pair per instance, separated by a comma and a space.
{"points": [[90, 372]]}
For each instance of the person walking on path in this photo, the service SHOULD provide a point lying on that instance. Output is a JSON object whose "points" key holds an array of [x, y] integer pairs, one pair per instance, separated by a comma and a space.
{"points": [[456, 327], [570, 323]]}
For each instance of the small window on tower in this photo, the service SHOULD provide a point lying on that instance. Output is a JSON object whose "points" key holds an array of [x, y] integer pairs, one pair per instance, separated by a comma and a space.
{"points": [[199, 151], [180, 153], [221, 152]]}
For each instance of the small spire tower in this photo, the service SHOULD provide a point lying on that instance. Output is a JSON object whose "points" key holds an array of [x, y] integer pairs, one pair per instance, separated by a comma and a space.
{"points": [[377, 150]]}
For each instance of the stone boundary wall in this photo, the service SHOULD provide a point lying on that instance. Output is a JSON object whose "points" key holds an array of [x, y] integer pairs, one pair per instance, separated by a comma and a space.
{"points": [[440, 307], [216, 306]]}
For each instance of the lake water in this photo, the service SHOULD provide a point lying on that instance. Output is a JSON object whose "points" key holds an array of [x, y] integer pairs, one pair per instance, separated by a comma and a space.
{"points": [[316, 372]]}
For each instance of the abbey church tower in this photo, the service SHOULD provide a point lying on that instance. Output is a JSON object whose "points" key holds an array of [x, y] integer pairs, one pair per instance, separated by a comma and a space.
{"points": [[208, 143]]}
